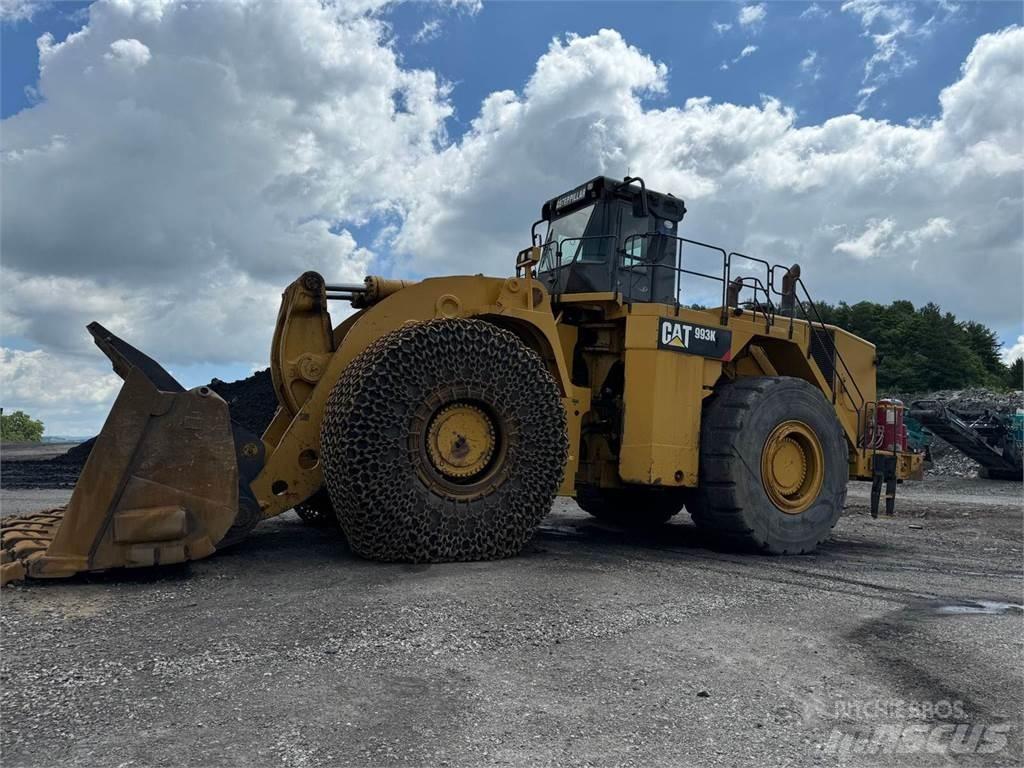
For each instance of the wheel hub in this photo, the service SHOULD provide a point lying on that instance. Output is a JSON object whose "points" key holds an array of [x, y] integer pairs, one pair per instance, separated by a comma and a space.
{"points": [[461, 441], [792, 466]]}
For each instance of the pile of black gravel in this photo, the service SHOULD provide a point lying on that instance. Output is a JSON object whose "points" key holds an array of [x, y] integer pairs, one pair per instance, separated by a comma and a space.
{"points": [[252, 403], [76, 455], [252, 400]]}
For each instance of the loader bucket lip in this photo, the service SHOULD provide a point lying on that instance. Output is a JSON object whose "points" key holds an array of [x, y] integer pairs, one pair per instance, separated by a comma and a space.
{"points": [[126, 358], [250, 453], [167, 481]]}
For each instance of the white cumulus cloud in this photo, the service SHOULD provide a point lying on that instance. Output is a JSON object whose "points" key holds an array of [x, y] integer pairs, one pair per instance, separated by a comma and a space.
{"points": [[810, 65], [129, 53], [68, 399], [814, 11], [171, 189], [246, 143], [881, 238], [748, 50], [869, 243], [1014, 352], [892, 25], [13, 11], [752, 15], [827, 195], [430, 30]]}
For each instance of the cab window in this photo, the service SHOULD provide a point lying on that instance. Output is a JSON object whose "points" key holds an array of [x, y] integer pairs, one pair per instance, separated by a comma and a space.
{"points": [[634, 237], [635, 248], [565, 232]]}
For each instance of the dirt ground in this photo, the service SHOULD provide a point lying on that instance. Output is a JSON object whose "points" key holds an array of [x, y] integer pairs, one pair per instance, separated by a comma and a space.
{"points": [[595, 647]]}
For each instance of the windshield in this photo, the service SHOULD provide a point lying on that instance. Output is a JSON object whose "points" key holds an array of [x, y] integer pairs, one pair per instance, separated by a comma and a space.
{"points": [[569, 228]]}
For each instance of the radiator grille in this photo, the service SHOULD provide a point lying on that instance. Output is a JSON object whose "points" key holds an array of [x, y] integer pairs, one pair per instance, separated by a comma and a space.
{"points": [[823, 350]]}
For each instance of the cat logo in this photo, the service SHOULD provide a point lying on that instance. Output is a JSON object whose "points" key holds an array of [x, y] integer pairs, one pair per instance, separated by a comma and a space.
{"points": [[694, 339], [675, 334]]}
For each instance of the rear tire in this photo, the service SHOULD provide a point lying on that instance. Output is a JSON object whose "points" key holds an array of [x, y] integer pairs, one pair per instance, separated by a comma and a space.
{"points": [[768, 427], [635, 507], [443, 441]]}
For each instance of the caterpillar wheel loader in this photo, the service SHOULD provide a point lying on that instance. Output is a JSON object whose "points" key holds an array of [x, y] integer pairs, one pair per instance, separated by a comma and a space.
{"points": [[439, 420]]}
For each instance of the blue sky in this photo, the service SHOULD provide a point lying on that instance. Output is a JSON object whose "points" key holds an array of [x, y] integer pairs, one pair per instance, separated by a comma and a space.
{"points": [[140, 144], [497, 48]]}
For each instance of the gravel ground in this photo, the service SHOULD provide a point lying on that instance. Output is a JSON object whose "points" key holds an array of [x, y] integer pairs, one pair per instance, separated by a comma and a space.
{"points": [[595, 647]]}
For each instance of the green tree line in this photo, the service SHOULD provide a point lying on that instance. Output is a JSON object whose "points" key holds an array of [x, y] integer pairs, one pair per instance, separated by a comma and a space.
{"points": [[924, 349], [19, 427]]}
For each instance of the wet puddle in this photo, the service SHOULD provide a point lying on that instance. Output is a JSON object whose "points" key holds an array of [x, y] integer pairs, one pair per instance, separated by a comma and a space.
{"points": [[987, 607]]}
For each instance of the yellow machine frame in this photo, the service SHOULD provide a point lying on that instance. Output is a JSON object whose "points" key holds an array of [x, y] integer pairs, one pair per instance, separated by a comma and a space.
{"points": [[663, 389], [172, 478]]}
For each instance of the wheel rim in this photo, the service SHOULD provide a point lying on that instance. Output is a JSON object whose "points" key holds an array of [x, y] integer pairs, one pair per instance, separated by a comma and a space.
{"points": [[792, 466], [461, 441]]}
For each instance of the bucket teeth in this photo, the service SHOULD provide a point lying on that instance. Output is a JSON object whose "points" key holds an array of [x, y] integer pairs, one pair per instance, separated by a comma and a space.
{"points": [[21, 538]]}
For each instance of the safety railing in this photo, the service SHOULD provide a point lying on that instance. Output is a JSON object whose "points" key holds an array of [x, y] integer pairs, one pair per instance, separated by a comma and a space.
{"points": [[731, 287], [820, 334], [642, 267], [760, 288], [633, 265]]}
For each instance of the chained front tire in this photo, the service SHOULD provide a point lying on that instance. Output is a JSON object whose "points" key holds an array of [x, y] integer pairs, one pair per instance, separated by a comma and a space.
{"points": [[443, 441]]}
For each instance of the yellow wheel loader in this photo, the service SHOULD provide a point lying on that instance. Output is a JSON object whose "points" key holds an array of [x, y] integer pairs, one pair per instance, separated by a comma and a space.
{"points": [[439, 420]]}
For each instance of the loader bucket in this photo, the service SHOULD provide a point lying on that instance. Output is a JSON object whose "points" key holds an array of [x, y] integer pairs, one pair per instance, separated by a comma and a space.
{"points": [[166, 481]]}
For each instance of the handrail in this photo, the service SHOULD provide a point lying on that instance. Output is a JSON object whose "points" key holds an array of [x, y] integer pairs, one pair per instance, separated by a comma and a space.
{"points": [[629, 181], [766, 288], [678, 241], [799, 283], [769, 320]]}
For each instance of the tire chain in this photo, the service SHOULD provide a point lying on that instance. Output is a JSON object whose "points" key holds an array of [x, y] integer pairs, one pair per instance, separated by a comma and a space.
{"points": [[371, 471]]}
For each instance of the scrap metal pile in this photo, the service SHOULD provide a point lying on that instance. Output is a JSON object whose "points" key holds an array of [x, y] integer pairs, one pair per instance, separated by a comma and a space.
{"points": [[972, 406]]}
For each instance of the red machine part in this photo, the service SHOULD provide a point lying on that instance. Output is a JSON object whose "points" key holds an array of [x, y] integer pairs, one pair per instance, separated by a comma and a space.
{"points": [[890, 432]]}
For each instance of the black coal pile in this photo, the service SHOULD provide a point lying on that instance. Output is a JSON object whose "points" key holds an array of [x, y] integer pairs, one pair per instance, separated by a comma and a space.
{"points": [[252, 400], [252, 403]]}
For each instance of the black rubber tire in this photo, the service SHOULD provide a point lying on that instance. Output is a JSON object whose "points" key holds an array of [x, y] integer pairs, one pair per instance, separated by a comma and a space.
{"points": [[317, 511], [391, 504], [730, 500], [636, 507]]}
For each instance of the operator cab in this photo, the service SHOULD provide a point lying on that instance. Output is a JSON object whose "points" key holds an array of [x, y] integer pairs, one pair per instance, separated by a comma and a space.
{"points": [[612, 236]]}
